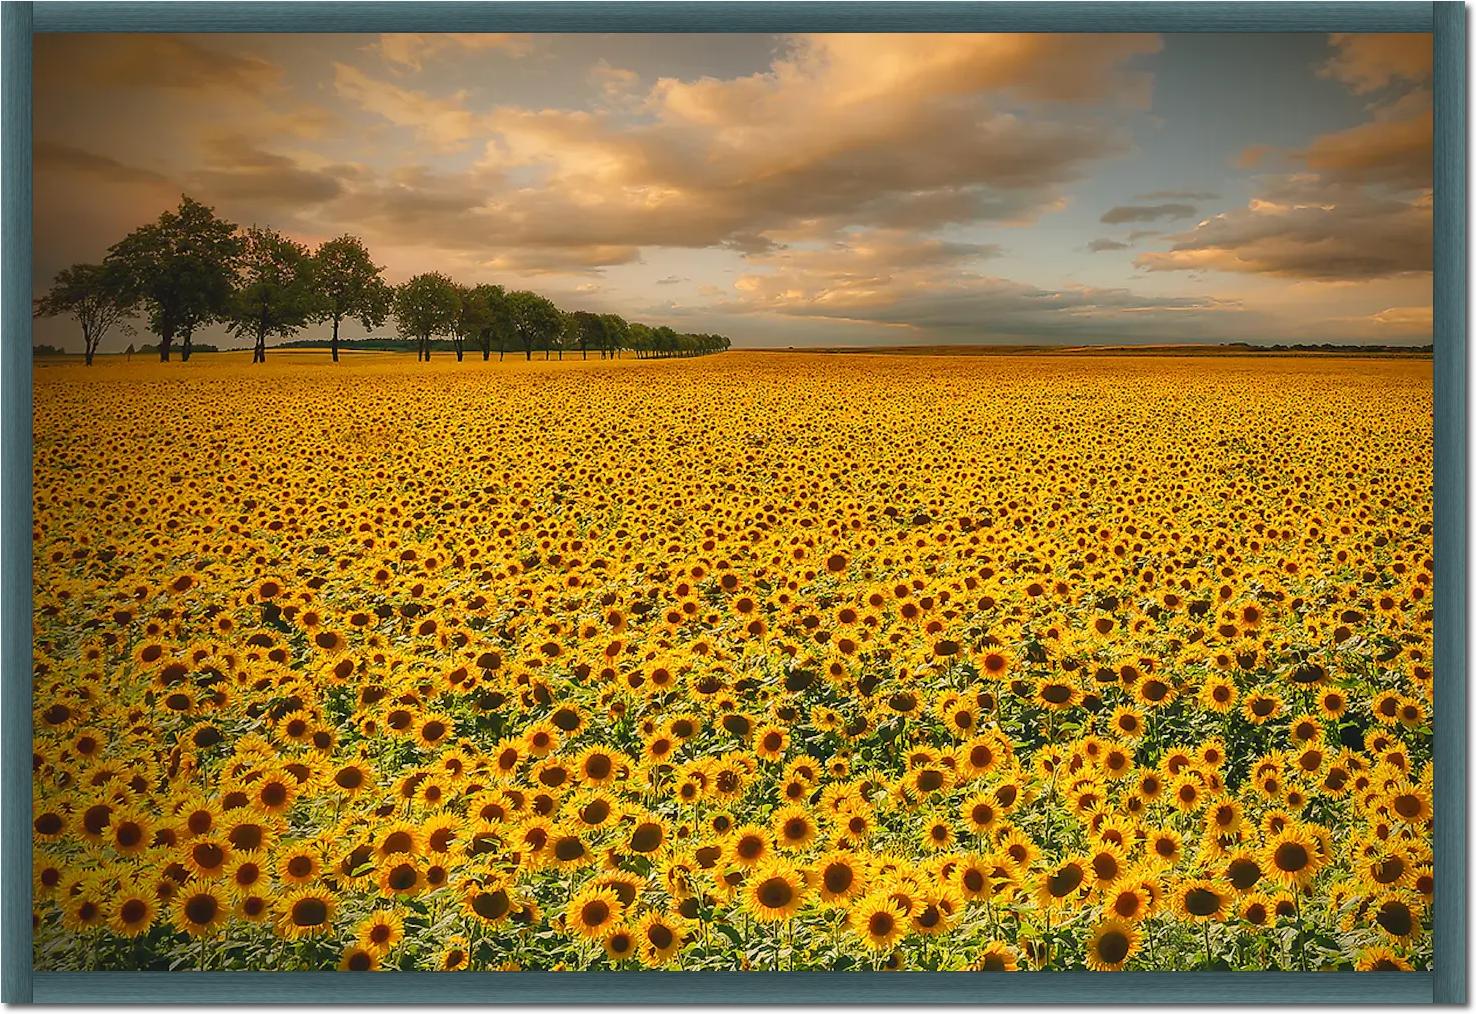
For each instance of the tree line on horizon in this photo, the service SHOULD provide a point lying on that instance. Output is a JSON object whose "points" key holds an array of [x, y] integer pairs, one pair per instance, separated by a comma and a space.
{"points": [[190, 269]]}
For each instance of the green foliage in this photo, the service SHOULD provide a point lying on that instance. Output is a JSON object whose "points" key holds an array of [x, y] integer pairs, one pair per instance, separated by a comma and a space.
{"points": [[276, 295], [180, 267], [428, 304], [98, 295]]}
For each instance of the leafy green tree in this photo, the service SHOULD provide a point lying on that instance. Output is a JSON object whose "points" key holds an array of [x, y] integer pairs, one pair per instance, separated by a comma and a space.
{"points": [[639, 339], [98, 295], [589, 329], [351, 285], [425, 305], [276, 293], [614, 336], [496, 322], [180, 268], [473, 318], [536, 322]]}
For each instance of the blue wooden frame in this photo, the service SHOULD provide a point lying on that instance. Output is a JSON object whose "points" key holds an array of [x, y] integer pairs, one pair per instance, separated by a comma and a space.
{"points": [[1446, 984]]}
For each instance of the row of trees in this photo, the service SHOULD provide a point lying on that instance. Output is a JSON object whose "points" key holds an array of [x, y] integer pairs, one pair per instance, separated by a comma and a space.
{"points": [[191, 269]]}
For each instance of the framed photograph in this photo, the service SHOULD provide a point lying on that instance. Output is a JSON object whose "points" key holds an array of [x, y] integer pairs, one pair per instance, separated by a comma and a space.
{"points": [[794, 502]]}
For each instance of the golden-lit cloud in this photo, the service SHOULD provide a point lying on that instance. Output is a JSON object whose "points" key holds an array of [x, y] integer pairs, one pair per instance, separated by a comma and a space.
{"points": [[1305, 228], [956, 182], [1369, 62], [151, 61], [1359, 205], [408, 51], [935, 287]]}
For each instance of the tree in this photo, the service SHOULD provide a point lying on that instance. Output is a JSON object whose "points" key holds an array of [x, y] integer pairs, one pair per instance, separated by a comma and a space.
{"points": [[565, 337], [589, 329], [472, 319], [615, 335], [98, 295], [426, 305], [639, 339], [350, 285], [535, 321], [496, 322], [180, 268], [276, 294]]}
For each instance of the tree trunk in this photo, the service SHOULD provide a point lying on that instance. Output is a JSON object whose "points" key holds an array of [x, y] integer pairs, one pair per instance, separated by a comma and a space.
{"points": [[187, 347], [166, 339], [335, 339]]}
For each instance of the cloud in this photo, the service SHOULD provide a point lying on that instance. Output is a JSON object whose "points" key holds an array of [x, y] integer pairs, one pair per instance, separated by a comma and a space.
{"points": [[839, 131], [1359, 208], [150, 61], [1179, 195], [1146, 212], [934, 288], [1253, 155], [1398, 151], [615, 82], [1406, 319], [1101, 245], [672, 280], [238, 171], [443, 121], [54, 156], [407, 51], [1303, 227], [1367, 63]]}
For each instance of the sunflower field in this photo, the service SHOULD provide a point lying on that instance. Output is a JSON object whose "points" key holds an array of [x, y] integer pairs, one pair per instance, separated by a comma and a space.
{"points": [[758, 661]]}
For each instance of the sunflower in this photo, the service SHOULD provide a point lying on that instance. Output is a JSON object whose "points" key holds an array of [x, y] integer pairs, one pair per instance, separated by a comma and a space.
{"points": [[133, 911], [207, 858], [1201, 900], [357, 958], [306, 912], [773, 892], [1291, 856], [381, 931], [1398, 914], [1112, 945], [1381, 959], [997, 956], [296, 866], [658, 937], [454, 955], [748, 846], [593, 912], [839, 877], [200, 911], [1061, 885], [793, 828], [878, 920], [400, 876], [490, 903]]}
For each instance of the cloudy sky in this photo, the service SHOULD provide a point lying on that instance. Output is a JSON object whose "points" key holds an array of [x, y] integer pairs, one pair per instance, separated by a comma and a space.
{"points": [[791, 190]]}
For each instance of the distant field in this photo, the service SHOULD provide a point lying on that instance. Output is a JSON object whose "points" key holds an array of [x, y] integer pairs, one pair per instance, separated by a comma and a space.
{"points": [[754, 661], [1121, 350]]}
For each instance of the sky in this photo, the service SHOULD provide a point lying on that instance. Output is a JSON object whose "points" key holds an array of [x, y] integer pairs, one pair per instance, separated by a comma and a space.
{"points": [[821, 190]]}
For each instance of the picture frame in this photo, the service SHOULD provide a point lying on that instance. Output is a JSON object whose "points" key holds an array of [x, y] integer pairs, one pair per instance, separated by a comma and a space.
{"points": [[1447, 984]]}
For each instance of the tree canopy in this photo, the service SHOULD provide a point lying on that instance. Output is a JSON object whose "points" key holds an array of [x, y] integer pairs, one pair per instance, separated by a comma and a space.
{"points": [[351, 286], [181, 267], [98, 295], [425, 305], [191, 268]]}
